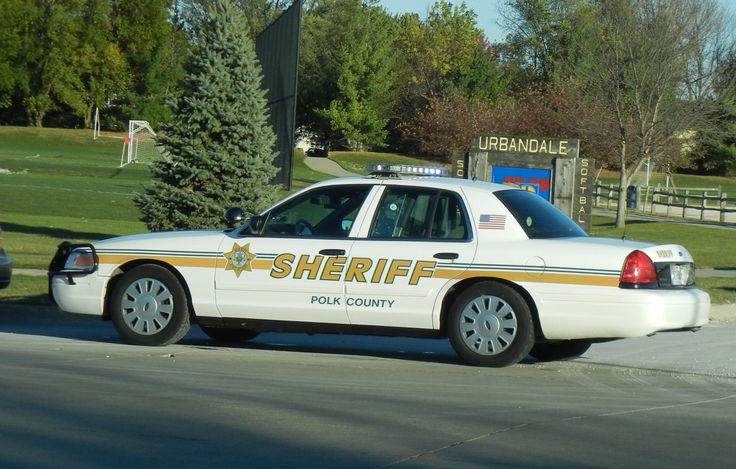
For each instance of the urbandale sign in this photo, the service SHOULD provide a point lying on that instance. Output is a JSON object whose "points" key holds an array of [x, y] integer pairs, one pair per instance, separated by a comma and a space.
{"points": [[566, 148]]}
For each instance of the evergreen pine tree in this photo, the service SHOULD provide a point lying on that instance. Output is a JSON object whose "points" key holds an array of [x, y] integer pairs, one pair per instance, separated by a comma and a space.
{"points": [[218, 151]]}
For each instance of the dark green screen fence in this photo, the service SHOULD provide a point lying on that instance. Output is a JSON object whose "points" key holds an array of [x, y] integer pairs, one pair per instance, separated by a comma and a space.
{"points": [[277, 48]]}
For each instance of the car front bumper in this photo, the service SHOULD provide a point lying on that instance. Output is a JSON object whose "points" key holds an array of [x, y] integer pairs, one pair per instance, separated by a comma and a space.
{"points": [[76, 290], [83, 295]]}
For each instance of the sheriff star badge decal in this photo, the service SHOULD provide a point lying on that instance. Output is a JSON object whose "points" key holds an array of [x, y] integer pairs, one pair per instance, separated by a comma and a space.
{"points": [[239, 259]]}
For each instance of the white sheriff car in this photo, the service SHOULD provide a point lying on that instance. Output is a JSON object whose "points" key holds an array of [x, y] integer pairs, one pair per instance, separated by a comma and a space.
{"points": [[498, 270]]}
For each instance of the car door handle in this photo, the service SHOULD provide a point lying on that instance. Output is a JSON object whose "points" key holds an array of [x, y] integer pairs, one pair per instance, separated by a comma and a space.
{"points": [[333, 252], [451, 256]]}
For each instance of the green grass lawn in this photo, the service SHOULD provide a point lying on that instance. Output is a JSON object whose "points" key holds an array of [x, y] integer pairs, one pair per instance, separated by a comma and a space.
{"points": [[58, 185], [721, 290], [710, 247]]}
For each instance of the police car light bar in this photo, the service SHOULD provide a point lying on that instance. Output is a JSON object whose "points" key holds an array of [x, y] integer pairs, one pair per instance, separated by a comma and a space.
{"points": [[408, 169]]}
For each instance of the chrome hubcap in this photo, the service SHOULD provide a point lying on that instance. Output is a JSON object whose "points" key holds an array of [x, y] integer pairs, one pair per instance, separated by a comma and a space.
{"points": [[147, 306], [488, 325]]}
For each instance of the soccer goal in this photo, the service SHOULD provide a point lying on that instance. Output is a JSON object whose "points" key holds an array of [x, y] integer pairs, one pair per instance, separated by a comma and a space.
{"points": [[139, 146], [96, 125]]}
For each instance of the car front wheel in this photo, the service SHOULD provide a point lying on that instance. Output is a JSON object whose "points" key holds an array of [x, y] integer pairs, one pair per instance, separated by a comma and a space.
{"points": [[149, 307], [490, 324]]}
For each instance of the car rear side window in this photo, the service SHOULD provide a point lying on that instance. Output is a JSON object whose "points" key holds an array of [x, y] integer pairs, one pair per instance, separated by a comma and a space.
{"points": [[538, 218], [411, 213]]}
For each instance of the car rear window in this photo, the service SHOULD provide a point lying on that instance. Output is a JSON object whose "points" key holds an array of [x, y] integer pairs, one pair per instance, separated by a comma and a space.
{"points": [[538, 218]]}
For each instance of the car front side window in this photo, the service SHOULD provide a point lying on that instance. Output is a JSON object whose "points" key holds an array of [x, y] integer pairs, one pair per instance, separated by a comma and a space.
{"points": [[327, 212]]}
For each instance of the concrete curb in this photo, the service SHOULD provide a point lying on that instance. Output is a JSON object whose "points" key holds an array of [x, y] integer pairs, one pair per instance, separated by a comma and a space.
{"points": [[30, 272]]}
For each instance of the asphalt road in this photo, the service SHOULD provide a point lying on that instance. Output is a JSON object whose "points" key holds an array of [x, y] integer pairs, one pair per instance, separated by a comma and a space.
{"points": [[72, 395]]}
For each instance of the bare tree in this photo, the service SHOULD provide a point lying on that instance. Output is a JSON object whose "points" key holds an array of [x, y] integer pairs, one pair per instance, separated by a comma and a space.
{"points": [[652, 79]]}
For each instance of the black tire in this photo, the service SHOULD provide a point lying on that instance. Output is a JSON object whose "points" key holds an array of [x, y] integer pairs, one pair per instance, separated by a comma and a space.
{"points": [[490, 324], [229, 334], [562, 350], [149, 307]]}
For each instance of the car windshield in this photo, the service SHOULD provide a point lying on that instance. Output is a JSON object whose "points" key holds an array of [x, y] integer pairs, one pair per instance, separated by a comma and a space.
{"points": [[538, 218]]}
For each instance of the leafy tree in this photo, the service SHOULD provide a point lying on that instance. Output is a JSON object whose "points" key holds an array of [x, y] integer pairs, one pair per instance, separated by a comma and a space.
{"points": [[346, 72], [219, 148], [483, 78], [548, 40], [50, 48], [317, 70], [155, 47], [58, 57], [357, 115], [444, 57], [258, 13], [449, 124], [715, 152], [15, 39], [103, 71], [637, 84], [439, 48]]}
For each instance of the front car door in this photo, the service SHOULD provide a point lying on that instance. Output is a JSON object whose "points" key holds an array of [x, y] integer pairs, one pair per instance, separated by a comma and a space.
{"points": [[418, 240], [292, 270]]}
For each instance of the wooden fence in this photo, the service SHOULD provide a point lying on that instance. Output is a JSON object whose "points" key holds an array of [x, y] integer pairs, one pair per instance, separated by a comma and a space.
{"points": [[700, 203]]}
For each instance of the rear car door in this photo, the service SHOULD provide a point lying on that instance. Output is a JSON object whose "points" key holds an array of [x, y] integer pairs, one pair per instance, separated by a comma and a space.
{"points": [[419, 239]]}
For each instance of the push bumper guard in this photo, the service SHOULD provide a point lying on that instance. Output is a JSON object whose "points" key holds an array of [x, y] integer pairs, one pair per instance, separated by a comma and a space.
{"points": [[56, 267]]}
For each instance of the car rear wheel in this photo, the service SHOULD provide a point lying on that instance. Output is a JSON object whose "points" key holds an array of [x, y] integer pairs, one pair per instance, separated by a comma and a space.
{"points": [[490, 324], [229, 334], [563, 350], [149, 307]]}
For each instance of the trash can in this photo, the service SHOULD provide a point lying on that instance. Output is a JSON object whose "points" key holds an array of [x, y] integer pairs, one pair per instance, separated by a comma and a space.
{"points": [[632, 197]]}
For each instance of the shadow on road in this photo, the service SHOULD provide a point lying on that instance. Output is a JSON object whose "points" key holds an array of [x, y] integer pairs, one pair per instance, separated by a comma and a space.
{"points": [[50, 321], [60, 233]]}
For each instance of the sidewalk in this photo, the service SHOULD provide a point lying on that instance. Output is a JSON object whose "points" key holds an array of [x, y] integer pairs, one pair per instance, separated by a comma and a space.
{"points": [[30, 272], [327, 166]]}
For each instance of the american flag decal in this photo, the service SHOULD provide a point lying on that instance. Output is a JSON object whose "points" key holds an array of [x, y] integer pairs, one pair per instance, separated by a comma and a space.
{"points": [[492, 222]]}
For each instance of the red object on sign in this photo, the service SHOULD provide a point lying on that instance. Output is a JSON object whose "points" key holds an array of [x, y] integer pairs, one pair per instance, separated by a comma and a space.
{"points": [[126, 139]]}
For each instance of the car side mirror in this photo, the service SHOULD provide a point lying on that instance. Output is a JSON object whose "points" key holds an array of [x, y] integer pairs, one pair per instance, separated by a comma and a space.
{"points": [[234, 216], [256, 224]]}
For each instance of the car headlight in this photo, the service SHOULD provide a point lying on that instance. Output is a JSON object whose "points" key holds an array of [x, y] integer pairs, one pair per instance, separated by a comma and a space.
{"points": [[81, 260]]}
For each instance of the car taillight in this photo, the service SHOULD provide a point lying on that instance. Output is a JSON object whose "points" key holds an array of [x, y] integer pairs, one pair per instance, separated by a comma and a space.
{"points": [[638, 271]]}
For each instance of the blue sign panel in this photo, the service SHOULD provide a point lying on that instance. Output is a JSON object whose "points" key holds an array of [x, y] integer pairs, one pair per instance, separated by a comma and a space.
{"points": [[531, 179]]}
